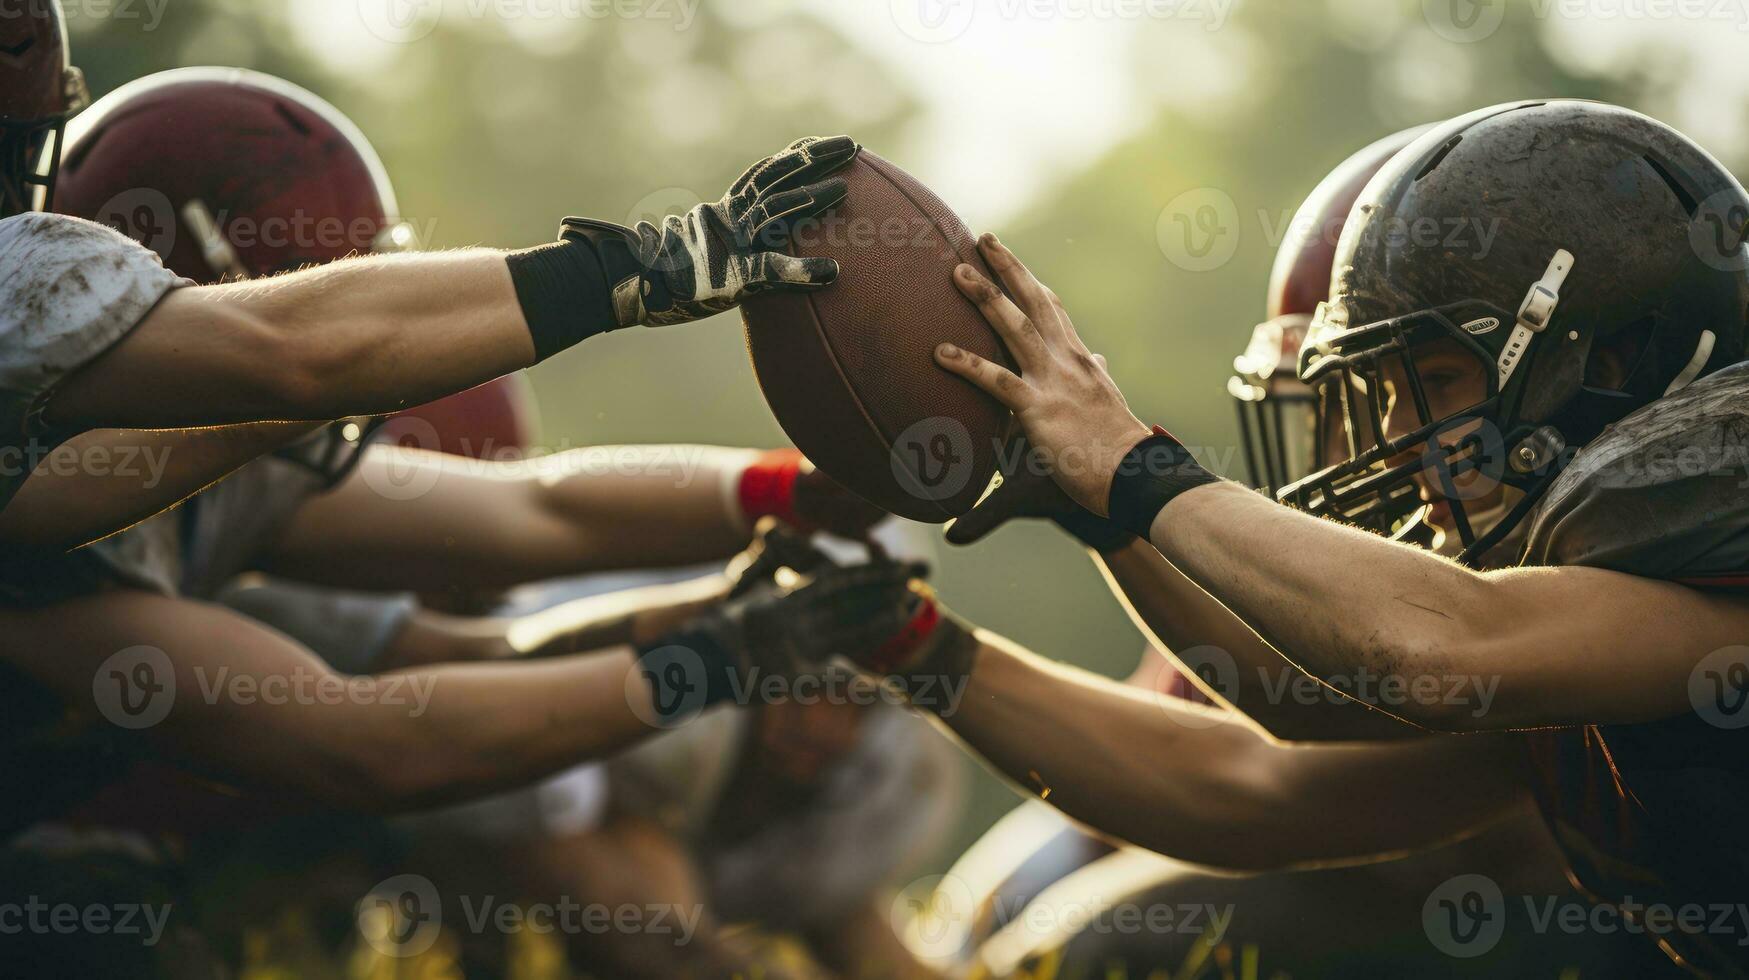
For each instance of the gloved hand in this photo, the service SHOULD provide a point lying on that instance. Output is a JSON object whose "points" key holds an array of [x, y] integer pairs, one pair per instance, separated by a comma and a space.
{"points": [[929, 658], [776, 546], [775, 627], [1027, 490], [711, 258]]}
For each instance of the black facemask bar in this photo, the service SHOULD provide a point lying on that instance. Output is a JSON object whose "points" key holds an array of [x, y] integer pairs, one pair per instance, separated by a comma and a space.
{"points": [[1376, 485]]}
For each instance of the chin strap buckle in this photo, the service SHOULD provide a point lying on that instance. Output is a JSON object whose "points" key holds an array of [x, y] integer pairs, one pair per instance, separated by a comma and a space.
{"points": [[1534, 313]]}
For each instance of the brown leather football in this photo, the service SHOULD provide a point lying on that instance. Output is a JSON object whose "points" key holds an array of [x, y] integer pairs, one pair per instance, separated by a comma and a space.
{"points": [[850, 371]]}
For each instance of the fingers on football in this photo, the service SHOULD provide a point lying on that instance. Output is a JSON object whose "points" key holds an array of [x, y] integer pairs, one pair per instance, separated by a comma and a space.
{"points": [[1014, 327], [995, 380], [801, 162], [1028, 292], [775, 217], [775, 270]]}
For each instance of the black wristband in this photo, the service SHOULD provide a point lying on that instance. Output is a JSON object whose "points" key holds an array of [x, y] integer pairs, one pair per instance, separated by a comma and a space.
{"points": [[688, 671], [564, 295], [1098, 533], [1152, 473]]}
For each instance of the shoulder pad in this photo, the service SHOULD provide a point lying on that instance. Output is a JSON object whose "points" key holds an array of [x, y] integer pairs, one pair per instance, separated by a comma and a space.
{"points": [[1663, 493]]}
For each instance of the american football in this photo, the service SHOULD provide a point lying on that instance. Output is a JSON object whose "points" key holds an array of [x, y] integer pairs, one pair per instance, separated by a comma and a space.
{"points": [[850, 372]]}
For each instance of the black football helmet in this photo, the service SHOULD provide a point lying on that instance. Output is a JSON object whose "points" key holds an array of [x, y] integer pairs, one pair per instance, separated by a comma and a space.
{"points": [[1590, 260]]}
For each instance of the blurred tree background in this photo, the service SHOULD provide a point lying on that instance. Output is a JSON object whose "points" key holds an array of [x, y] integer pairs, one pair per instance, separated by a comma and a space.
{"points": [[1071, 135]]}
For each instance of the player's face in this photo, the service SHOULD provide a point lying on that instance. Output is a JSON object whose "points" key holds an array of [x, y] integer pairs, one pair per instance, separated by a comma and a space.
{"points": [[1453, 381]]}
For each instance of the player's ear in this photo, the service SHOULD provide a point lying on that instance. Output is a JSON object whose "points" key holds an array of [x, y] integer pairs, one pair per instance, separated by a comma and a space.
{"points": [[1612, 362]]}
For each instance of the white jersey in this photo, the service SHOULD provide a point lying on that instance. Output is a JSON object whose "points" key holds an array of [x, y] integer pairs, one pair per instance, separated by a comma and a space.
{"points": [[69, 290]]}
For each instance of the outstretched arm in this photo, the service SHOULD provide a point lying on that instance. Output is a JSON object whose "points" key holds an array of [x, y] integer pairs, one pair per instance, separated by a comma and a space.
{"points": [[126, 476], [1193, 783], [251, 705], [373, 335], [409, 519]]}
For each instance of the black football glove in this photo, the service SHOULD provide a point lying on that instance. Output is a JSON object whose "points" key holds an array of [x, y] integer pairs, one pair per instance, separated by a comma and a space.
{"points": [[711, 258], [772, 628], [1027, 490]]}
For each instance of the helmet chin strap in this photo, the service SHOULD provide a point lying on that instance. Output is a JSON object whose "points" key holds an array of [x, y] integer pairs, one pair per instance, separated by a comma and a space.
{"points": [[1534, 313]]}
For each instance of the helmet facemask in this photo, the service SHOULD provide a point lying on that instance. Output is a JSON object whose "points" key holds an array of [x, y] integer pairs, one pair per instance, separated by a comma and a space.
{"points": [[1276, 411], [1424, 421]]}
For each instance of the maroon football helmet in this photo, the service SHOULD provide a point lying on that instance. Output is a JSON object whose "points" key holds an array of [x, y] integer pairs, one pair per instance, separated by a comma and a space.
{"points": [[1277, 413], [496, 420], [39, 89], [229, 174]]}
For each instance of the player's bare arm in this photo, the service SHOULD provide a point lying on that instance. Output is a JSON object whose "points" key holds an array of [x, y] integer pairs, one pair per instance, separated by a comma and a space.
{"points": [[128, 475], [380, 333], [427, 521], [1441, 620], [1200, 634], [252, 706], [379, 744], [1188, 780]]}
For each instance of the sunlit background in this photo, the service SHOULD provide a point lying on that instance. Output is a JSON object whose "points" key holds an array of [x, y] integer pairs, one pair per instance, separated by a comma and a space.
{"points": [[1078, 129]]}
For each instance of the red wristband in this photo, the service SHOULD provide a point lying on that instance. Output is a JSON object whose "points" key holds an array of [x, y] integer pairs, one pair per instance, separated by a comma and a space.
{"points": [[891, 655], [768, 487]]}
